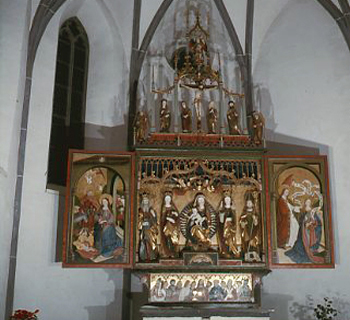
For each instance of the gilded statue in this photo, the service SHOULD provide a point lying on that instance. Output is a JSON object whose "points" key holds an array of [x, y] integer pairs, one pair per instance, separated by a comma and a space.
{"points": [[250, 226], [198, 110], [198, 223], [164, 116], [212, 118], [233, 119], [169, 227], [258, 124], [148, 230], [227, 228], [141, 126], [186, 118]]}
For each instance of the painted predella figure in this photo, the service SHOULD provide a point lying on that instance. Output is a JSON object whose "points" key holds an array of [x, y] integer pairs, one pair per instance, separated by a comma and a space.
{"points": [[300, 219], [98, 213], [199, 212], [201, 287]]}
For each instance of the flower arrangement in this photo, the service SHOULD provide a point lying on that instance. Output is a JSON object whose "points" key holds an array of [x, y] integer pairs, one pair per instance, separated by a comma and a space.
{"points": [[24, 315], [325, 311]]}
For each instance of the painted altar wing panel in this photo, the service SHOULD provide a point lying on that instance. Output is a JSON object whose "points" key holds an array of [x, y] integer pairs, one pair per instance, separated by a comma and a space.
{"points": [[98, 219], [299, 212]]}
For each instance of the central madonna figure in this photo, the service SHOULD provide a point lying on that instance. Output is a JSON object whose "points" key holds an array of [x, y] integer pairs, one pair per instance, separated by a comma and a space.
{"points": [[198, 223]]}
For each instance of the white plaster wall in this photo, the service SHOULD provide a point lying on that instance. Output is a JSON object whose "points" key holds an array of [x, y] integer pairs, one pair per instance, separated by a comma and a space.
{"points": [[13, 34], [106, 101], [303, 70], [40, 281], [148, 10]]}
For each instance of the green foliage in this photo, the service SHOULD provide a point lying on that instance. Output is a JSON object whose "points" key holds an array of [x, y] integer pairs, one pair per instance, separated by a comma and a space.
{"points": [[325, 311]]}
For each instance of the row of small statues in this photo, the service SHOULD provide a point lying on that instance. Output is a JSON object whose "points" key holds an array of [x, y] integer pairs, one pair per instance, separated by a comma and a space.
{"points": [[165, 117], [200, 224]]}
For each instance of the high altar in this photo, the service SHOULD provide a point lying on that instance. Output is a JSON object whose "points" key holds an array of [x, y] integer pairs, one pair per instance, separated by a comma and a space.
{"points": [[197, 209]]}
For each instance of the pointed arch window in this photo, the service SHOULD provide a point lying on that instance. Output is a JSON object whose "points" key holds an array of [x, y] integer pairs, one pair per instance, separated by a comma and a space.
{"points": [[68, 116]]}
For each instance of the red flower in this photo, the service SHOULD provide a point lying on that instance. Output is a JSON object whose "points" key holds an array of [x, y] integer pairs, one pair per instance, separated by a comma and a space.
{"points": [[22, 314]]}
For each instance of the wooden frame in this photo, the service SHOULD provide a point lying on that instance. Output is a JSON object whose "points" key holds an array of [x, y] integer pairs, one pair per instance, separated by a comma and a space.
{"points": [[299, 212], [199, 288], [98, 219], [159, 174]]}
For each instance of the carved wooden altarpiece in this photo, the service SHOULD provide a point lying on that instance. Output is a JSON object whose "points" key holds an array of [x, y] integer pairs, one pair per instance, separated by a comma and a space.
{"points": [[197, 209]]}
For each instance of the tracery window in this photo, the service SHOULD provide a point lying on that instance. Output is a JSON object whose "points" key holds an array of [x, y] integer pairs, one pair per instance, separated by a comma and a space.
{"points": [[67, 130]]}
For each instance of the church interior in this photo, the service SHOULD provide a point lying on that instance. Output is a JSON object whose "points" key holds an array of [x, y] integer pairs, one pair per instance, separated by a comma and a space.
{"points": [[174, 159]]}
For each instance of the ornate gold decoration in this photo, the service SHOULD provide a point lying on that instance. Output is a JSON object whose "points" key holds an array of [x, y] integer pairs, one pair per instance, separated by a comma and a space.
{"points": [[197, 71]]}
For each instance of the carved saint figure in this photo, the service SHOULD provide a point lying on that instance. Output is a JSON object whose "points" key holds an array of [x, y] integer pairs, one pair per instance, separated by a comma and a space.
{"points": [[169, 226], [233, 119], [141, 126], [164, 116], [212, 118], [198, 110], [186, 118], [227, 227], [250, 226], [258, 124], [148, 231]]}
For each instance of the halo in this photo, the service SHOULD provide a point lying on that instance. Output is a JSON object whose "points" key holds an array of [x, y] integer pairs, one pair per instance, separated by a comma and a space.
{"points": [[105, 196]]}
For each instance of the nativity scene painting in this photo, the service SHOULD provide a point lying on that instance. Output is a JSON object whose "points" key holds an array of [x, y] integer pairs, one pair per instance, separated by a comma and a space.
{"points": [[98, 210], [300, 214]]}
